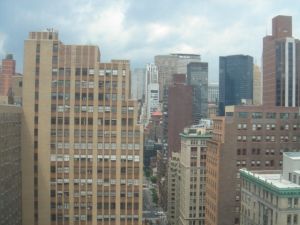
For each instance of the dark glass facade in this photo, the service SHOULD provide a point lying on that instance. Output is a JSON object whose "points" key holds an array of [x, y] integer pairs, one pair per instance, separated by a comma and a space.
{"points": [[197, 77], [235, 80]]}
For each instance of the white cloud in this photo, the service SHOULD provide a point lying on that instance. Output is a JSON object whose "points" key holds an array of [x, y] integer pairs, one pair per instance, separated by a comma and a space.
{"points": [[2, 41], [157, 32]]}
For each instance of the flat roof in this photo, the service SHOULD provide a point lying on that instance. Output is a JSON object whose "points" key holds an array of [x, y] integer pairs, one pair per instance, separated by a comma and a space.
{"points": [[293, 155], [272, 181]]}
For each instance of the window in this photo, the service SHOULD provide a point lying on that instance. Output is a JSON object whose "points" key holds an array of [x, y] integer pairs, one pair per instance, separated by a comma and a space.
{"points": [[284, 115], [257, 115], [243, 114], [271, 115]]}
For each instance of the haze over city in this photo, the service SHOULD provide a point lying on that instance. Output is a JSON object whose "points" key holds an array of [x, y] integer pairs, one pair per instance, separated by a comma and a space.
{"points": [[139, 30]]}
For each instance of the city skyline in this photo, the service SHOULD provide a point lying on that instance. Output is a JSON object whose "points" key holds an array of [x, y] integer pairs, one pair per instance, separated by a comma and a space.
{"points": [[138, 31]]}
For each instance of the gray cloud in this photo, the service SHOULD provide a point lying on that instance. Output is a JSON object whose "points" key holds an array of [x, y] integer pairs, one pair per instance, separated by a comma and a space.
{"points": [[139, 29]]}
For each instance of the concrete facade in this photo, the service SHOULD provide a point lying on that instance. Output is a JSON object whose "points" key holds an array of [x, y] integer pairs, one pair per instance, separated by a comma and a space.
{"points": [[82, 146], [272, 197], [10, 165], [252, 137]]}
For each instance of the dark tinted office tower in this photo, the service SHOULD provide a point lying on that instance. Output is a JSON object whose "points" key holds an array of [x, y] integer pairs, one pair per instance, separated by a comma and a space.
{"points": [[235, 80], [197, 77], [281, 70]]}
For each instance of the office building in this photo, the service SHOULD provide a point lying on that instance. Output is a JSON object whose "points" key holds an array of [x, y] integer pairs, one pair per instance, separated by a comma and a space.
{"points": [[197, 77], [168, 65], [235, 80], [151, 103], [213, 93], [192, 166], [82, 147], [272, 197], [251, 137], [10, 165], [213, 100], [180, 114], [281, 67], [257, 86], [138, 84]]}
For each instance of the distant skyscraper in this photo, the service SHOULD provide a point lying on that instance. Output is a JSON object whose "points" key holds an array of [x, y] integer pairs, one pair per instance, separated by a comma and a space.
{"points": [[235, 80], [138, 83], [180, 100], [6, 73], [197, 77], [82, 149], [10, 165], [281, 65], [151, 103], [213, 93], [172, 64], [257, 85]]}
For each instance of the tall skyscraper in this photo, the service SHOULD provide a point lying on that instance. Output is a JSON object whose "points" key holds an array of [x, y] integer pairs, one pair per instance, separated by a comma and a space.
{"points": [[197, 77], [213, 99], [235, 80], [180, 113], [251, 137], [257, 85], [281, 67], [151, 103], [168, 65], [138, 83], [213, 93], [82, 147], [10, 165]]}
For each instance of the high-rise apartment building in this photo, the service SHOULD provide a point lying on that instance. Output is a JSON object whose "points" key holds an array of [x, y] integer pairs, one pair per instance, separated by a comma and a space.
{"points": [[180, 114], [281, 67], [251, 137], [10, 165], [235, 80], [272, 197], [82, 147], [172, 64], [257, 85], [138, 83], [197, 77]]}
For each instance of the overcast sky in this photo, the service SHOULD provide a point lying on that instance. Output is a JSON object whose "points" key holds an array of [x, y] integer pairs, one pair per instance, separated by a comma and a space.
{"points": [[140, 29]]}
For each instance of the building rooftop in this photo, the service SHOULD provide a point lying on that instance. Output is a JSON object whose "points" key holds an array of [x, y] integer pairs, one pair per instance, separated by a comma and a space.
{"points": [[293, 155], [273, 181]]}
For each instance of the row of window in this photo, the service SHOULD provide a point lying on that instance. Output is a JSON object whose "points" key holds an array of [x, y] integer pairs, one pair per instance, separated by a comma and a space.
{"points": [[89, 121], [84, 71], [258, 138], [243, 126], [134, 158], [267, 115]]}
